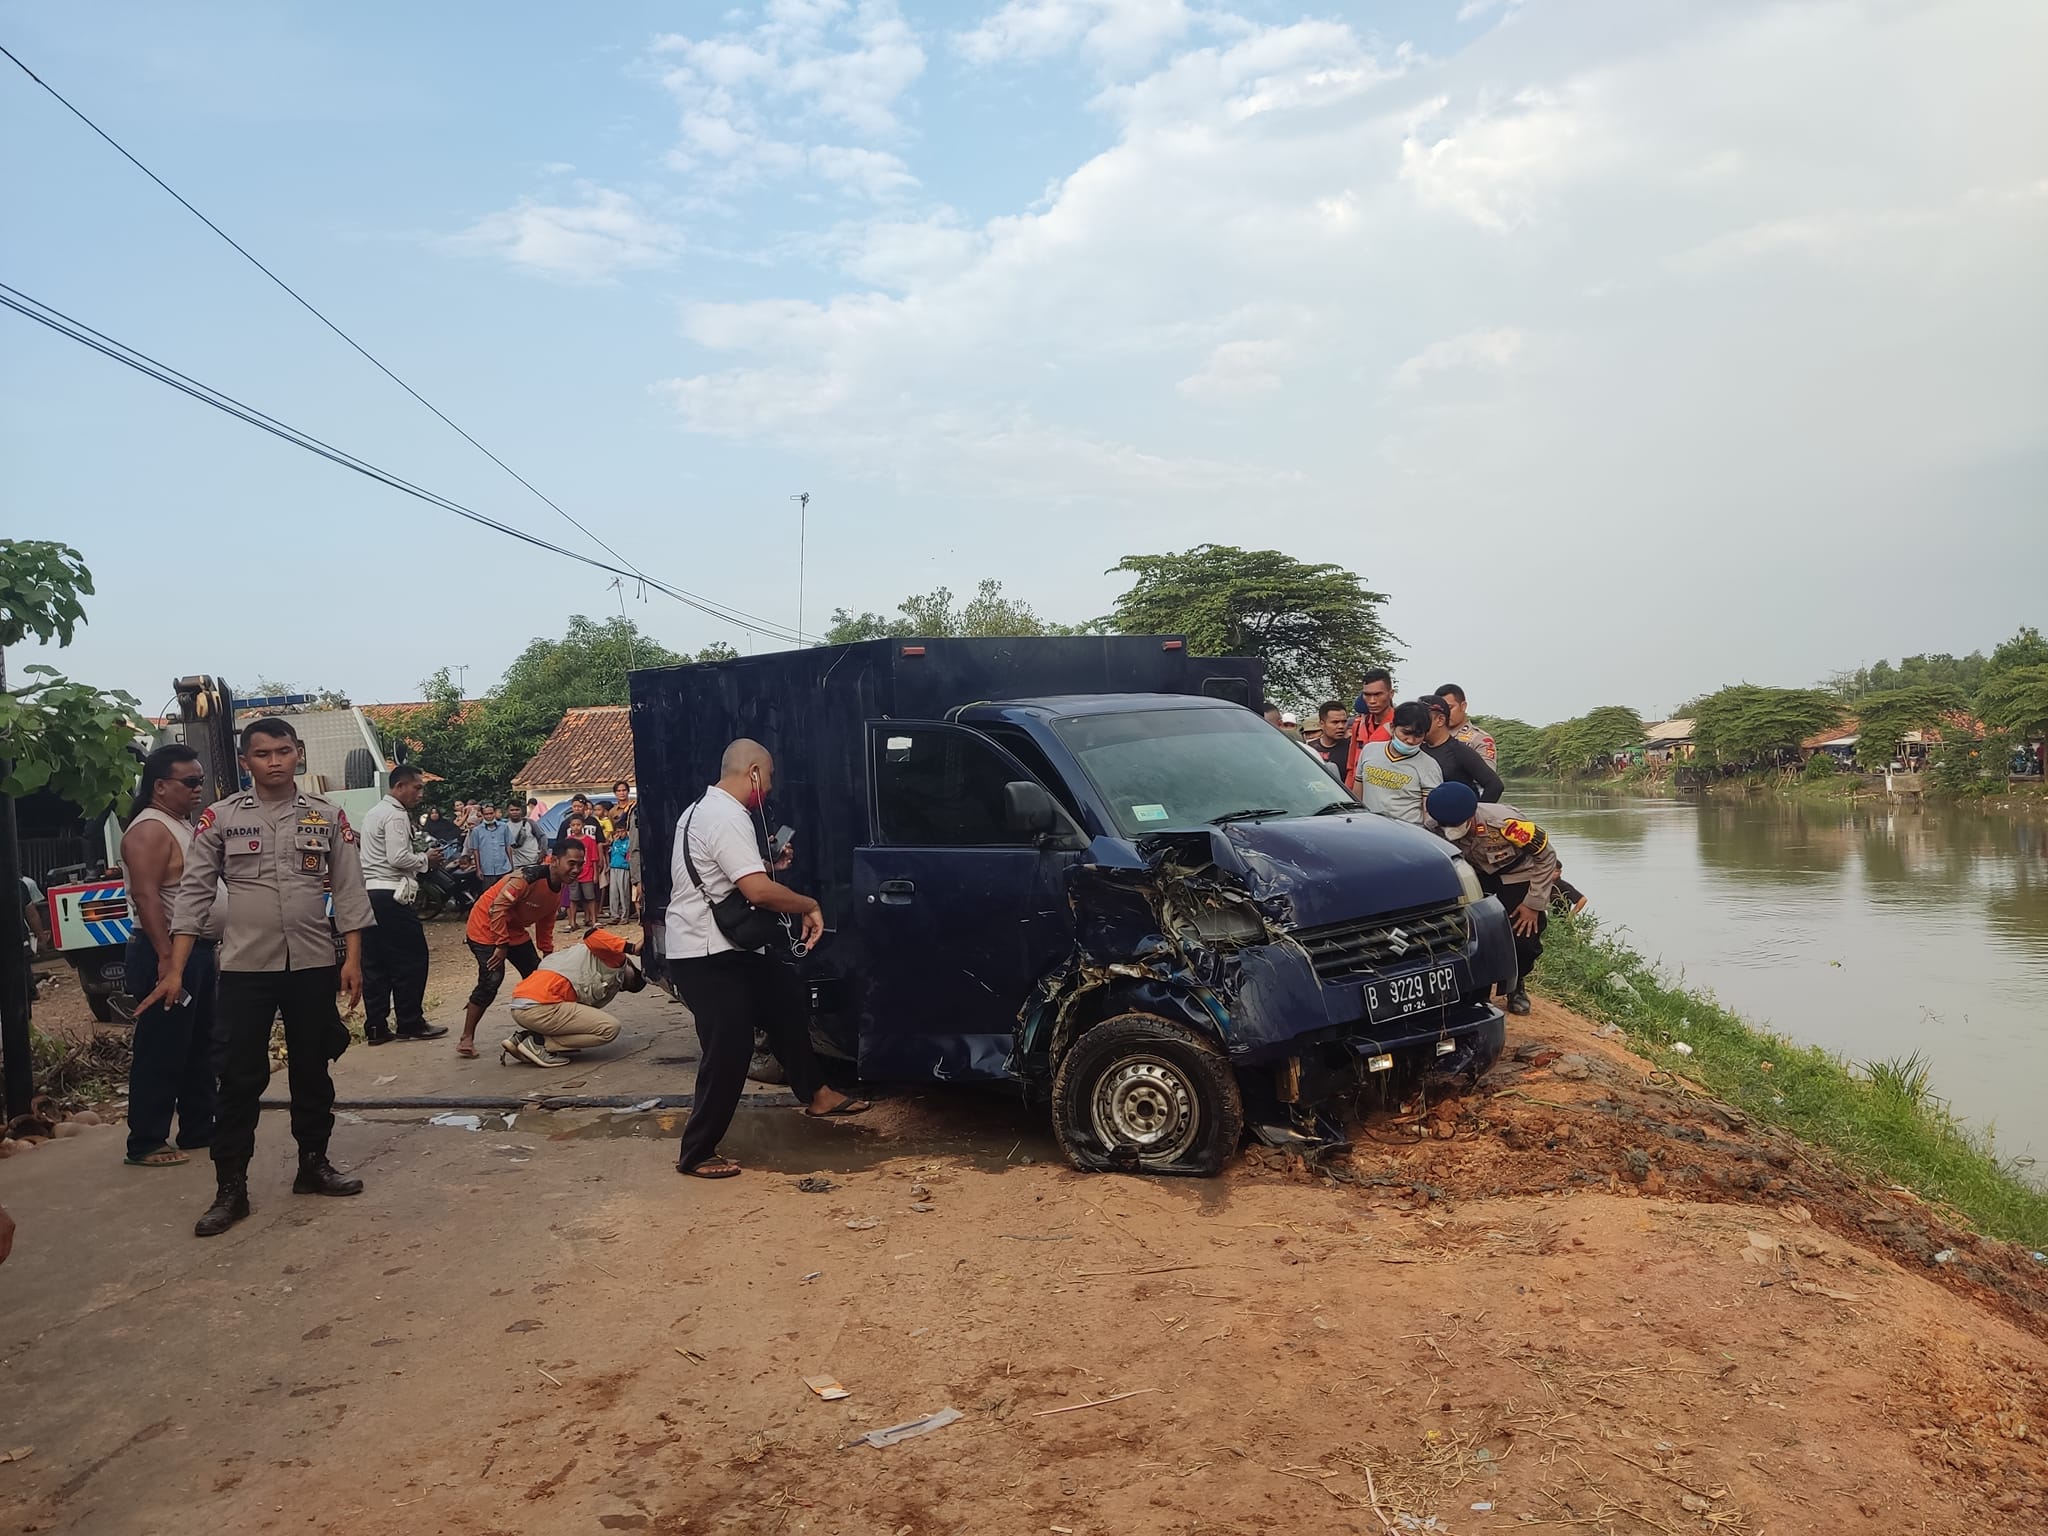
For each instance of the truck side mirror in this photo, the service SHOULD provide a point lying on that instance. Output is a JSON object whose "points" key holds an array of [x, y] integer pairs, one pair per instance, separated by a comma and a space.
{"points": [[1028, 810]]}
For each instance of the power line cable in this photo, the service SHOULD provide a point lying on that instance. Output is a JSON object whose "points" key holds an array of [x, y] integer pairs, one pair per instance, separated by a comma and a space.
{"points": [[76, 330], [314, 311]]}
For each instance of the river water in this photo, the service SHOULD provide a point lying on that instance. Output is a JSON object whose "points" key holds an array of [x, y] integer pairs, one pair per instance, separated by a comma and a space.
{"points": [[1869, 931]]}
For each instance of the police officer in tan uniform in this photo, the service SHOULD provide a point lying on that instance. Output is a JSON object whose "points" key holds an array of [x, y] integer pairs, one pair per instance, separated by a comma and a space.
{"points": [[280, 854]]}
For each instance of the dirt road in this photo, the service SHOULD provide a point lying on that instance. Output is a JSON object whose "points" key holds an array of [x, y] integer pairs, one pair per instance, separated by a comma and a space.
{"points": [[1575, 1296]]}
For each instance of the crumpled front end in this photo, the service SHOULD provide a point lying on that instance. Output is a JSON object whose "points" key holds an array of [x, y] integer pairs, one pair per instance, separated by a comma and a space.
{"points": [[1201, 928]]}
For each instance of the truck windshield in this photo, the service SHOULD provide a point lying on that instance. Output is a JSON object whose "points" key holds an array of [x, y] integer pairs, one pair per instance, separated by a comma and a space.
{"points": [[1191, 767]]}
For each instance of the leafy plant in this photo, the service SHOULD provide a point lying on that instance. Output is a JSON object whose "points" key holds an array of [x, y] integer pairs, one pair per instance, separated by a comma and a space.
{"points": [[1821, 765], [1316, 627], [988, 614], [1573, 746], [1907, 1079], [2017, 701], [55, 734], [1517, 745]]}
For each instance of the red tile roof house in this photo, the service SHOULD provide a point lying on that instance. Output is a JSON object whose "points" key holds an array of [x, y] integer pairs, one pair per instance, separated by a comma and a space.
{"points": [[589, 752]]}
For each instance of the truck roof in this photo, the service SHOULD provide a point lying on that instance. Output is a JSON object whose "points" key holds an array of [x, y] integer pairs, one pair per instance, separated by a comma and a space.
{"points": [[1068, 705]]}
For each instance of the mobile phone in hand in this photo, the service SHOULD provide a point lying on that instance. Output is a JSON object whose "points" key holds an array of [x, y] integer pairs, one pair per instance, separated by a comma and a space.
{"points": [[779, 843]]}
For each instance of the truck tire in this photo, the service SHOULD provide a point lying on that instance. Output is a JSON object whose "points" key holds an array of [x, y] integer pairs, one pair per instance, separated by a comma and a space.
{"points": [[1143, 1094], [102, 1006], [359, 769]]}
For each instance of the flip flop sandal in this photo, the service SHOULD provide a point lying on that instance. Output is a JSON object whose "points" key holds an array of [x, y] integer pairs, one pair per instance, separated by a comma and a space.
{"points": [[712, 1168], [162, 1157], [843, 1107], [466, 1052]]}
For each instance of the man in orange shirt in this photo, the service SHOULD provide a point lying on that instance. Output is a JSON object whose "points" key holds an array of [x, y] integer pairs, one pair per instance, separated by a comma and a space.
{"points": [[559, 1007], [515, 920]]}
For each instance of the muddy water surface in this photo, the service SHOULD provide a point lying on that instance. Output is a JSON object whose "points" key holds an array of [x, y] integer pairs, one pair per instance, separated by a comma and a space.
{"points": [[1870, 931]]}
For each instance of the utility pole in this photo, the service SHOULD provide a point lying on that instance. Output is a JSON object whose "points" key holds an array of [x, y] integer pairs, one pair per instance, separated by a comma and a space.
{"points": [[803, 517], [461, 681]]}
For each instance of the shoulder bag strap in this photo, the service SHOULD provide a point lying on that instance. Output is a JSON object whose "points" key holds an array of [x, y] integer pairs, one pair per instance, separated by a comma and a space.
{"points": [[690, 864]]}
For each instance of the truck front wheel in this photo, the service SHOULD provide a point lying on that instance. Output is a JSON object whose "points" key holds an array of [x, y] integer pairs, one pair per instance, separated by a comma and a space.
{"points": [[1144, 1094]]}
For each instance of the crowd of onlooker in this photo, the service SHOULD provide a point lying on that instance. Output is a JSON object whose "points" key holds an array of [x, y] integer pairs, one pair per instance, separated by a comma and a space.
{"points": [[481, 844]]}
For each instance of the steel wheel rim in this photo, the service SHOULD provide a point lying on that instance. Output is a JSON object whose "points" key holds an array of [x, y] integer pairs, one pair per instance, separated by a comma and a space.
{"points": [[1148, 1103]]}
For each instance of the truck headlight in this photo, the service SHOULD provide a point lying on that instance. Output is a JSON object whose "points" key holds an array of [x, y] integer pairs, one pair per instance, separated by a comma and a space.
{"points": [[1468, 884], [1223, 923]]}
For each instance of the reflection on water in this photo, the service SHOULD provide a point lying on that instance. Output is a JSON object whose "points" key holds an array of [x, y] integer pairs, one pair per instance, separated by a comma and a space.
{"points": [[1867, 930]]}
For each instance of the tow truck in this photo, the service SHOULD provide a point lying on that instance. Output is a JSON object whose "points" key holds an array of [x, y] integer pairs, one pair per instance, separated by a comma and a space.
{"points": [[89, 913]]}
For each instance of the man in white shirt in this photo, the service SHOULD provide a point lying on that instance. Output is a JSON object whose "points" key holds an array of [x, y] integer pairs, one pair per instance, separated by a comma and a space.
{"points": [[395, 951], [1394, 777], [731, 992]]}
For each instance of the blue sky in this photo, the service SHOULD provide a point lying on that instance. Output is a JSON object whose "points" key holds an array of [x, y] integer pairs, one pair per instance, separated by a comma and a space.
{"points": [[1633, 348]]}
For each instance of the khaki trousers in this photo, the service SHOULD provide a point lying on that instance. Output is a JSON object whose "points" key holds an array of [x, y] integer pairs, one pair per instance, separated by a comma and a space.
{"points": [[571, 1026]]}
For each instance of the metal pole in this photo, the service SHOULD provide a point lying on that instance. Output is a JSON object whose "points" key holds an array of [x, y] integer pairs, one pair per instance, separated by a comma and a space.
{"points": [[803, 516], [17, 1062]]}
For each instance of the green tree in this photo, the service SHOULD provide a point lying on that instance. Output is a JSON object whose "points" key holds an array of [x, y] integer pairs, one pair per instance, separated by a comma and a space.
{"points": [[1316, 627], [588, 665], [74, 740], [718, 650], [1747, 724], [1573, 746], [936, 614], [2016, 700], [1883, 719], [2025, 649], [1517, 745]]}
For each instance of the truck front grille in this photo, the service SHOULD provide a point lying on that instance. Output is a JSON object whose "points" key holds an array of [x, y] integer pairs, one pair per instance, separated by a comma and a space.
{"points": [[1379, 943]]}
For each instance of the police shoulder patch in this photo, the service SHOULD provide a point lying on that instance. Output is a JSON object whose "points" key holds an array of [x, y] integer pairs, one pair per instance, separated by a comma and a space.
{"points": [[348, 833], [206, 819], [1520, 833]]}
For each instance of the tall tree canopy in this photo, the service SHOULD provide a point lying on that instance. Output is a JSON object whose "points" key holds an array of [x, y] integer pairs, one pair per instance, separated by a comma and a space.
{"points": [[1572, 746], [2016, 700], [1748, 724], [1517, 745], [1883, 719], [1316, 627], [988, 614]]}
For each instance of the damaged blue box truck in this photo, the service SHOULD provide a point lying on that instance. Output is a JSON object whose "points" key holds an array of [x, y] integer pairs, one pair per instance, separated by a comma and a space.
{"points": [[1087, 867]]}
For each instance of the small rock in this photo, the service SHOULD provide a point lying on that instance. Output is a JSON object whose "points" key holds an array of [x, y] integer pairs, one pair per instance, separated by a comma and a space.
{"points": [[923, 1207], [1573, 1069], [919, 1192], [1638, 1163], [1946, 1256], [86, 1117], [1694, 1504], [1682, 1048], [815, 1185], [864, 1224], [70, 1128]]}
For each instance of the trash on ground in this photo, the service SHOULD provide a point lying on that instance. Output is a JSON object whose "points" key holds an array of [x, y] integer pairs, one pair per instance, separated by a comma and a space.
{"points": [[815, 1185], [924, 1206], [459, 1122], [688, 1354], [1946, 1256], [1482, 1507], [1682, 1048], [1618, 983], [639, 1109], [1115, 1397], [390, 1078], [812, 1276], [827, 1387], [19, 1453], [910, 1429], [862, 1225], [1609, 1032]]}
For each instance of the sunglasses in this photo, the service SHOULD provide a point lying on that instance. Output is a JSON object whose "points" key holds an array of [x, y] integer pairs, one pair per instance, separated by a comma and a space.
{"points": [[189, 783]]}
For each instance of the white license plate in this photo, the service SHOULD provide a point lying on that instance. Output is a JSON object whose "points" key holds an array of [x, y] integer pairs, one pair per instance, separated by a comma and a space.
{"points": [[1396, 997]]}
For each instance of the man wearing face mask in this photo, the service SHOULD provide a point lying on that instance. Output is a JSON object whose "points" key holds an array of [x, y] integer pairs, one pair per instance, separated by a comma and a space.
{"points": [[734, 987], [1392, 777], [1515, 863]]}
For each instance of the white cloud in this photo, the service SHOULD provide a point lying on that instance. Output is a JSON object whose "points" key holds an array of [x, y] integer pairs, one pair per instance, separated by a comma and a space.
{"points": [[1236, 369], [1485, 351], [601, 234], [1115, 34], [774, 99], [1499, 164]]}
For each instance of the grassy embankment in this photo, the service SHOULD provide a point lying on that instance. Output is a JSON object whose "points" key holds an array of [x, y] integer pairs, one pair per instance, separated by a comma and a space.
{"points": [[1881, 1118]]}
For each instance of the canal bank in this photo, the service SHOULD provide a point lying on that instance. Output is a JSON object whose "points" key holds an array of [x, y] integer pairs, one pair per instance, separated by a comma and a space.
{"points": [[1873, 932]]}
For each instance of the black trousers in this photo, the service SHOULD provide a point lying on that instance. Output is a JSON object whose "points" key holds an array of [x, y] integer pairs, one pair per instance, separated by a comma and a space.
{"points": [[176, 1068], [394, 966], [313, 1036], [1527, 950], [731, 995], [523, 956]]}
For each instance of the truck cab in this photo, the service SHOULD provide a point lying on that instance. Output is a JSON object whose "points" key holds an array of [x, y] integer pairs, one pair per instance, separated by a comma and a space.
{"points": [[1146, 907]]}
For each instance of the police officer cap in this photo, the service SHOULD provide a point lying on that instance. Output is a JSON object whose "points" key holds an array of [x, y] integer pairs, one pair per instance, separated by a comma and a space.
{"points": [[1450, 804]]}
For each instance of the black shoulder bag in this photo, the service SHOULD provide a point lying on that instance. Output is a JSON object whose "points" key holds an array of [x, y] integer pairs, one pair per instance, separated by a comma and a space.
{"points": [[744, 925]]}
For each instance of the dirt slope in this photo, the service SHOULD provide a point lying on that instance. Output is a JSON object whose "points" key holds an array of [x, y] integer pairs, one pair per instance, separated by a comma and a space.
{"points": [[1575, 1297]]}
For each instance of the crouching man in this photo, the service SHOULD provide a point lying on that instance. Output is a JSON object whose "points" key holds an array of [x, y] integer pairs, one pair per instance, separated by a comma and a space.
{"points": [[1515, 863], [559, 1005]]}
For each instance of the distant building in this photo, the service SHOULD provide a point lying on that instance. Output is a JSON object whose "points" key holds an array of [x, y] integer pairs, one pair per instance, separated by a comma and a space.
{"points": [[1668, 741], [589, 752]]}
